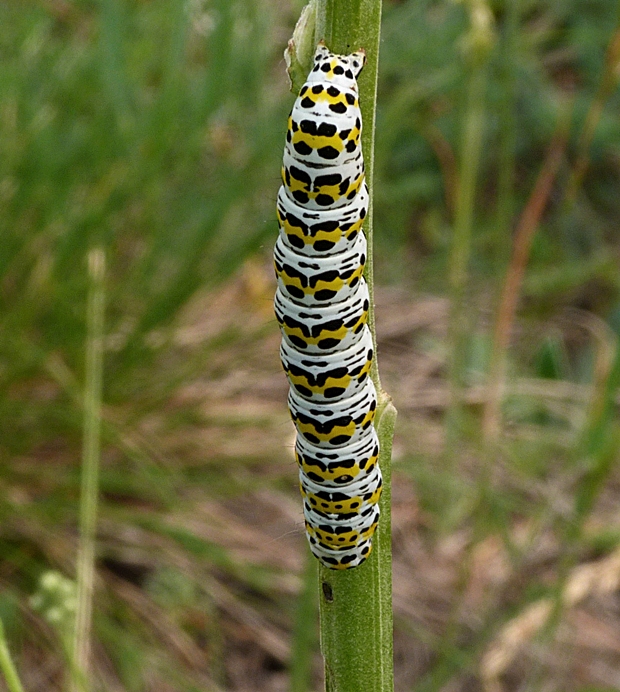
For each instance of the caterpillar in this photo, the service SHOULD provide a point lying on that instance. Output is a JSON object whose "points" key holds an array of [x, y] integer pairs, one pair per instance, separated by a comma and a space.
{"points": [[321, 306]]}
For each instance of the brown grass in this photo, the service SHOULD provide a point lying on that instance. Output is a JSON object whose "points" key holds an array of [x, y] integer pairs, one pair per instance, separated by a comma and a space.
{"points": [[457, 588]]}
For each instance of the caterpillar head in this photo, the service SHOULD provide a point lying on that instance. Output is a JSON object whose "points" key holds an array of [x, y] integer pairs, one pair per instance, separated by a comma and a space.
{"points": [[340, 70]]}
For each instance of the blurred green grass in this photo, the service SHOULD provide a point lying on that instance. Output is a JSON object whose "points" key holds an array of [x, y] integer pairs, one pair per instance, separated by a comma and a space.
{"points": [[155, 129], [123, 124]]}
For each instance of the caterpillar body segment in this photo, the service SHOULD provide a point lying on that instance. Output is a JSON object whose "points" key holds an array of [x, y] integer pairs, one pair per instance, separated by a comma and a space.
{"points": [[311, 232], [341, 535], [323, 329], [338, 423], [336, 468], [327, 377], [333, 503], [321, 188], [321, 306], [325, 125], [341, 70], [331, 105], [325, 279], [321, 144], [340, 559]]}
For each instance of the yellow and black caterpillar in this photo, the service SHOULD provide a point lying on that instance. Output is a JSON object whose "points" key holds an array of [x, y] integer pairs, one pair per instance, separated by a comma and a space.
{"points": [[321, 305]]}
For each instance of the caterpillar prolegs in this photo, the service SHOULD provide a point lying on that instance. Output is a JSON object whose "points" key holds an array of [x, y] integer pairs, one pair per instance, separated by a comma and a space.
{"points": [[321, 305]]}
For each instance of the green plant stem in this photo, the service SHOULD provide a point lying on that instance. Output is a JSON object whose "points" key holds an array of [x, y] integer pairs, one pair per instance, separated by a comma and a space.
{"points": [[463, 223], [607, 85], [508, 137], [356, 605], [6, 664], [90, 468]]}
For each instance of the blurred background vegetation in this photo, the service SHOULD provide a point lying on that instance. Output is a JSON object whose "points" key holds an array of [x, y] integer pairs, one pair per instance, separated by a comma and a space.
{"points": [[154, 130]]}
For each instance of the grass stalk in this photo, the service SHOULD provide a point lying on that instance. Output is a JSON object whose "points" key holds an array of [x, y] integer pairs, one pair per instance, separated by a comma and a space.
{"points": [[304, 635], [598, 448], [511, 290], [525, 231], [508, 137], [607, 85], [91, 452], [356, 605], [6, 664], [480, 40]]}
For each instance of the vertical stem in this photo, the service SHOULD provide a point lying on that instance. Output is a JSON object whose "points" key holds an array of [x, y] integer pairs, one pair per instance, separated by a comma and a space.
{"points": [[461, 242], [508, 138], [524, 235], [6, 664], [90, 468], [356, 605], [609, 80]]}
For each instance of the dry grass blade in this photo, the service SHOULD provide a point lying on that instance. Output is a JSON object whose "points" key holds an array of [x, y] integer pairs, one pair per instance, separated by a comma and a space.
{"points": [[173, 636], [528, 224], [591, 579]]}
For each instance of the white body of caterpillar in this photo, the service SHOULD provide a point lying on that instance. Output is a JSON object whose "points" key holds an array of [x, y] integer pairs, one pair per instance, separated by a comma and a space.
{"points": [[322, 308]]}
